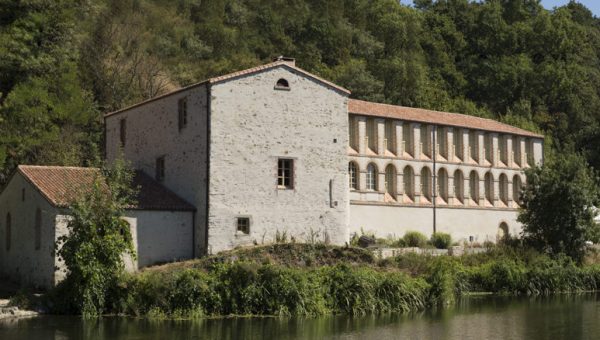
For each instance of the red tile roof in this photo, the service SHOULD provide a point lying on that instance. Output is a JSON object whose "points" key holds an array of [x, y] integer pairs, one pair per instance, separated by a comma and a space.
{"points": [[434, 117], [61, 185]]}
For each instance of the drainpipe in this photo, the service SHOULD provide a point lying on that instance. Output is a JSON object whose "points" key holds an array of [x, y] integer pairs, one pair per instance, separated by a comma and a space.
{"points": [[434, 189]]}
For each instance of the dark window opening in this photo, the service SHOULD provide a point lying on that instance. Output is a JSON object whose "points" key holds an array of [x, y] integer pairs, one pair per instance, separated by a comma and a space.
{"points": [[122, 131], [182, 109], [285, 173], [243, 225], [282, 84], [160, 169]]}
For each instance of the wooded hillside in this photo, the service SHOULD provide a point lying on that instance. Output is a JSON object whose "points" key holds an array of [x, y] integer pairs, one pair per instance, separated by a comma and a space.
{"points": [[63, 63]]}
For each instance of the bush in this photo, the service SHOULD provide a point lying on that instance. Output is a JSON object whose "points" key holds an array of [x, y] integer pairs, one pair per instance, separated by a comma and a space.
{"points": [[441, 240], [414, 239]]}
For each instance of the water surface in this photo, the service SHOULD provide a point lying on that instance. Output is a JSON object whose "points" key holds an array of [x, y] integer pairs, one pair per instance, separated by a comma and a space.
{"points": [[559, 317]]}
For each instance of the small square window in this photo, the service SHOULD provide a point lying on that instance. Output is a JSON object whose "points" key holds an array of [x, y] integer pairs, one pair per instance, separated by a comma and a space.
{"points": [[285, 173], [182, 109], [160, 169], [243, 225]]}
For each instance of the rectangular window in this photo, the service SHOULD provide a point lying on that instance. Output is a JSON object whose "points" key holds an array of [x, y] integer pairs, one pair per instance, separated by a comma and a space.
{"points": [[285, 173], [122, 131], [160, 169], [243, 225], [182, 109]]}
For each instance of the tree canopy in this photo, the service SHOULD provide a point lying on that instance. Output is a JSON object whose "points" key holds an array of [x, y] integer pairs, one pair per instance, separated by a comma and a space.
{"points": [[63, 63], [559, 206]]}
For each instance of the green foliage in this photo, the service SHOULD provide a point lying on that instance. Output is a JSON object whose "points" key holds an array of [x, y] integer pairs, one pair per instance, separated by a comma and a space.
{"points": [[441, 240], [414, 239], [63, 62], [559, 206], [97, 238], [403, 284]]}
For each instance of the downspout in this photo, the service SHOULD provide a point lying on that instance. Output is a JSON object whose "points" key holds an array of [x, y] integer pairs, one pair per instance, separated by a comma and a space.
{"points": [[206, 212], [434, 189]]}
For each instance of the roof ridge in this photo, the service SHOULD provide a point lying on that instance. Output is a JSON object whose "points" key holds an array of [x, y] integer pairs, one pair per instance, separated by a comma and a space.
{"points": [[448, 115], [33, 166], [213, 80]]}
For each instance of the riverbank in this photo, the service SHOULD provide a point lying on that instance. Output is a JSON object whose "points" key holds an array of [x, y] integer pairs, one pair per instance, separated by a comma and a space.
{"points": [[310, 280]]}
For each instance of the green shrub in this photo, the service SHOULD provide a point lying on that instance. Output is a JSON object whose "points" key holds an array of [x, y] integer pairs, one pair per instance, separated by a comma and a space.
{"points": [[414, 239], [441, 240]]}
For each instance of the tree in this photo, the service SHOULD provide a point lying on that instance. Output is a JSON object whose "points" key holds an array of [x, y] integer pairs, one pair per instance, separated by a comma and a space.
{"points": [[559, 205], [97, 238]]}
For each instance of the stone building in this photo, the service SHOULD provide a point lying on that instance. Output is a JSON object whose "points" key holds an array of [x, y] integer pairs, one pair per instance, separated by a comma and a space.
{"points": [[276, 152], [34, 215], [415, 169], [275, 149]]}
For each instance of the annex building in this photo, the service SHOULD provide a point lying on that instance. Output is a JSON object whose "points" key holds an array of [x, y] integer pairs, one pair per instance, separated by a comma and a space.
{"points": [[238, 159]]}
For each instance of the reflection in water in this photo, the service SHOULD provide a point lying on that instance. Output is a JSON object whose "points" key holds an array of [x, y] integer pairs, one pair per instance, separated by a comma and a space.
{"points": [[561, 317]]}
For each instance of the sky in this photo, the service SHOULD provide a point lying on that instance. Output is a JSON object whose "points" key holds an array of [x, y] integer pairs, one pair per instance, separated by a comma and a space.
{"points": [[593, 5]]}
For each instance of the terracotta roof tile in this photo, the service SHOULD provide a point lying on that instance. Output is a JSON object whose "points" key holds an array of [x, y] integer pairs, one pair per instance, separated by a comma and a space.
{"points": [[434, 117], [61, 185]]}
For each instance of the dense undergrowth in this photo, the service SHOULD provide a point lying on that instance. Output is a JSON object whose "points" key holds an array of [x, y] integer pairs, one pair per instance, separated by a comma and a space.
{"points": [[281, 282]]}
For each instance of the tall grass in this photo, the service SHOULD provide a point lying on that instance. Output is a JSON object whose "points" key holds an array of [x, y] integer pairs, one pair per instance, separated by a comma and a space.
{"points": [[406, 283]]}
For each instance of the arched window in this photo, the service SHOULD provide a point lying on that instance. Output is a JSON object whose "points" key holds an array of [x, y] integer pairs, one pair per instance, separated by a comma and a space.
{"points": [[371, 177], [282, 84], [371, 132], [517, 187], [489, 188], [502, 232], [442, 183], [390, 181], [8, 231], [426, 191], [425, 141], [474, 186], [503, 150], [529, 151], [457, 137], [408, 177], [442, 141], [474, 145], [353, 175], [489, 147], [516, 142], [38, 229], [503, 184], [353, 132], [459, 183], [407, 139], [390, 137]]}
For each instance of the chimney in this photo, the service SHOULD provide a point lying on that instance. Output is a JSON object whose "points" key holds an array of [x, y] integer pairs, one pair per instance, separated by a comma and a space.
{"points": [[286, 60]]}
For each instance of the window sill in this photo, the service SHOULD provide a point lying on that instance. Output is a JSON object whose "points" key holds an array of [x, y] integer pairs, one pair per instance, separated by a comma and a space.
{"points": [[282, 88]]}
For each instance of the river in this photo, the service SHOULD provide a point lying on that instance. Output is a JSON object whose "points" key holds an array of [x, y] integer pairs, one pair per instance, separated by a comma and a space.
{"points": [[486, 317]]}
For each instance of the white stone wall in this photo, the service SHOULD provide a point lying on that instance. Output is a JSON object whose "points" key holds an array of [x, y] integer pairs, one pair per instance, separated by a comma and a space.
{"points": [[392, 221], [153, 131], [161, 236], [252, 125], [23, 263]]}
